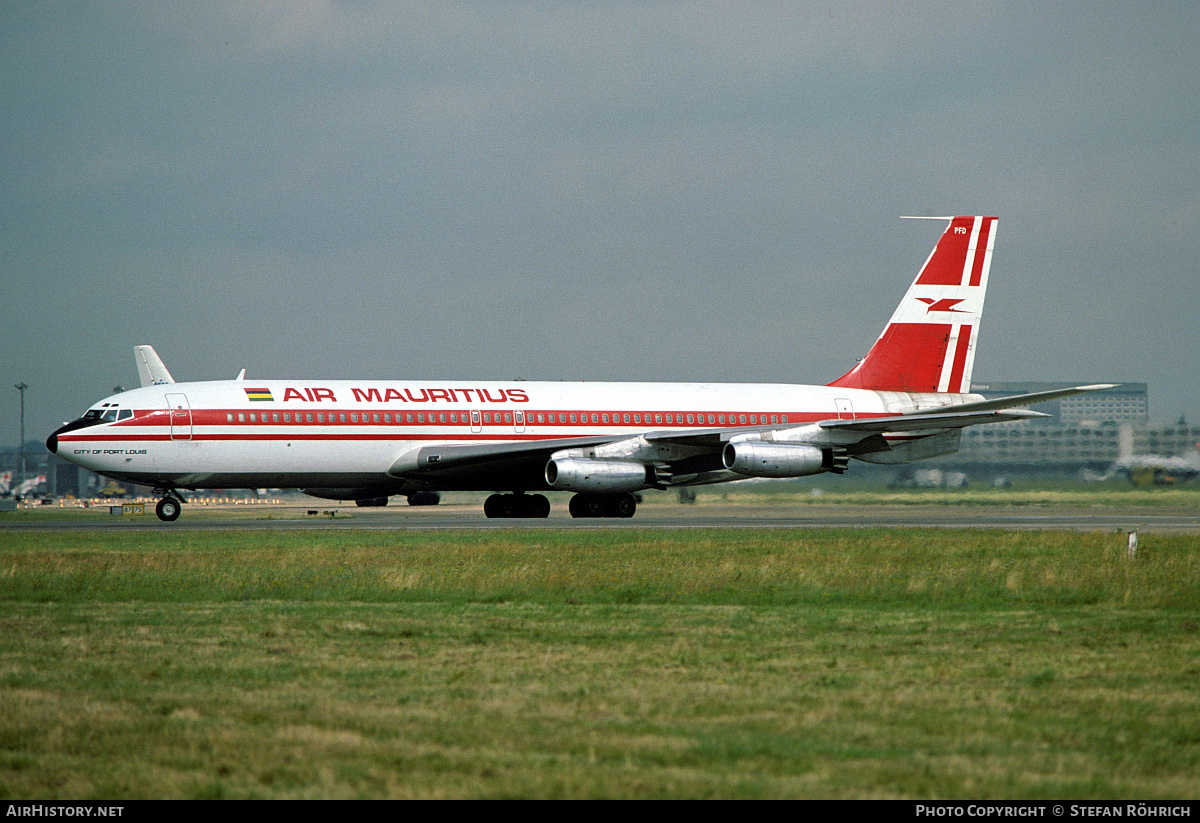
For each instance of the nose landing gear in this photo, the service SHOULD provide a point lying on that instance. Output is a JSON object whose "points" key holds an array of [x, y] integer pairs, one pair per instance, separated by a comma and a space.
{"points": [[169, 508]]}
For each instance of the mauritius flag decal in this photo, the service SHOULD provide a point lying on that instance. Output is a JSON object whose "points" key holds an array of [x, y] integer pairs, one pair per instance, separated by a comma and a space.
{"points": [[259, 394]]}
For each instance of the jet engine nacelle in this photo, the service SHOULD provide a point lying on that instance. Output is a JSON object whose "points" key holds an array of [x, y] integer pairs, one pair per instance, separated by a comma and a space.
{"points": [[578, 474], [756, 458]]}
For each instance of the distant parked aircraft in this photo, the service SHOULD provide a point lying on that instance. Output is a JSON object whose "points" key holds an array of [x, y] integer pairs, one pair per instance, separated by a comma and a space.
{"points": [[1156, 469]]}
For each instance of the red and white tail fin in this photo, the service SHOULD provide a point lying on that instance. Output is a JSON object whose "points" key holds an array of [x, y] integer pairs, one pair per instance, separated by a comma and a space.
{"points": [[929, 344]]}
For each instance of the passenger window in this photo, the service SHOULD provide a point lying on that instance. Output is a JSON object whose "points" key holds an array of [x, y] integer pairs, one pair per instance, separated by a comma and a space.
{"points": [[774, 418], [274, 417], [409, 417], [387, 418], [421, 418], [354, 417], [604, 418], [742, 419], [320, 417], [342, 417], [657, 419], [721, 419], [375, 417], [753, 420], [229, 417], [711, 419], [626, 418], [308, 417], [287, 417], [637, 418], [689, 419], [508, 417], [442, 417], [783, 419], [241, 417]]}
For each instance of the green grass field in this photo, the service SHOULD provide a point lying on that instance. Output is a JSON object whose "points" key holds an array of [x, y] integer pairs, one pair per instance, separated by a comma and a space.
{"points": [[644, 663]]}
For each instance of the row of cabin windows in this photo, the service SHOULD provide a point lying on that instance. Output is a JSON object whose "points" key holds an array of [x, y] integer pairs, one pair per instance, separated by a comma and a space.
{"points": [[657, 418]]}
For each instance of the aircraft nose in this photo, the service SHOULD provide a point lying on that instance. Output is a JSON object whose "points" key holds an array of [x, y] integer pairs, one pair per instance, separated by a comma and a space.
{"points": [[52, 443]]}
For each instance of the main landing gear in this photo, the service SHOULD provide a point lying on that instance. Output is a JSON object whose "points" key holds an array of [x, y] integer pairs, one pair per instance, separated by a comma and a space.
{"points": [[516, 505], [169, 507], [623, 504]]}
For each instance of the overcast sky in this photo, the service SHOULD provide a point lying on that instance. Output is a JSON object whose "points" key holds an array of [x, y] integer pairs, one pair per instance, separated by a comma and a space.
{"points": [[600, 191]]}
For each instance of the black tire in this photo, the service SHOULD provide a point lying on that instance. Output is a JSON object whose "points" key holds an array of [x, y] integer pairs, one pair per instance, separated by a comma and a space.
{"points": [[575, 507], [168, 509], [621, 505], [491, 506], [538, 506], [509, 506], [594, 505]]}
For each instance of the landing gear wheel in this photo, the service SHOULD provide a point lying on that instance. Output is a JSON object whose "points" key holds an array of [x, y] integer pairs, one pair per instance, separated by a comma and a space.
{"points": [[168, 509], [491, 506], [588, 505], [538, 506], [621, 505]]}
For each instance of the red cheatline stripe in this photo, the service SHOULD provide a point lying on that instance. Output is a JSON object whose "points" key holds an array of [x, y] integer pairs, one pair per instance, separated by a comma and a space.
{"points": [[220, 418], [960, 359]]}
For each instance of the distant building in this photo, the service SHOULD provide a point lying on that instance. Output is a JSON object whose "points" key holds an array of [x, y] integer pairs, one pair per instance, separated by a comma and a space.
{"points": [[1082, 432]]}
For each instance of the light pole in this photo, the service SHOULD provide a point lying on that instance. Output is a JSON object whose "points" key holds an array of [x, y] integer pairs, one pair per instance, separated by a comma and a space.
{"points": [[21, 387]]}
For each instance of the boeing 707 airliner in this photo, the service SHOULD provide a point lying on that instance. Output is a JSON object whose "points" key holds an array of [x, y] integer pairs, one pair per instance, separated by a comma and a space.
{"points": [[908, 399]]}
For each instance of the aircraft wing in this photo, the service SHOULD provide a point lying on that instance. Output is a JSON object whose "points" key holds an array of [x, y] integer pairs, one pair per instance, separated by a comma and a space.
{"points": [[507, 461], [931, 420], [523, 463]]}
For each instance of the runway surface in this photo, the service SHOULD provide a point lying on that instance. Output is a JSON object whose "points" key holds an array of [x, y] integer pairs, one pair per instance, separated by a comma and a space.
{"points": [[470, 517]]}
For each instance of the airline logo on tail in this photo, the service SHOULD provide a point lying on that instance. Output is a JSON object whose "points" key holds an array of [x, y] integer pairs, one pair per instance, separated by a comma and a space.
{"points": [[929, 344], [945, 304]]}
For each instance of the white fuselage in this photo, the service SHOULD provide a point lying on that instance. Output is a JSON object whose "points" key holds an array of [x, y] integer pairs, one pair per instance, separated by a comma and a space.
{"points": [[291, 433]]}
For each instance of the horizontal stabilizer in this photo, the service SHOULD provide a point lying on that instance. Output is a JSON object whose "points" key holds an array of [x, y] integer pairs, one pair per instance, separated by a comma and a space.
{"points": [[1018, 400], [150, 367]]}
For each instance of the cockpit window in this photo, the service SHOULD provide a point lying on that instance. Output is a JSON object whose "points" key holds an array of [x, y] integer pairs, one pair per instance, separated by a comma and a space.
{"points": [[125, 414], [93, 414], [110, 415]]}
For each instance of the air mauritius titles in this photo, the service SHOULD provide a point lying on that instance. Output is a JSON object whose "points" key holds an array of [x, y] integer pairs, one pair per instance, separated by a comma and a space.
{"points": [[393, 395]]}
